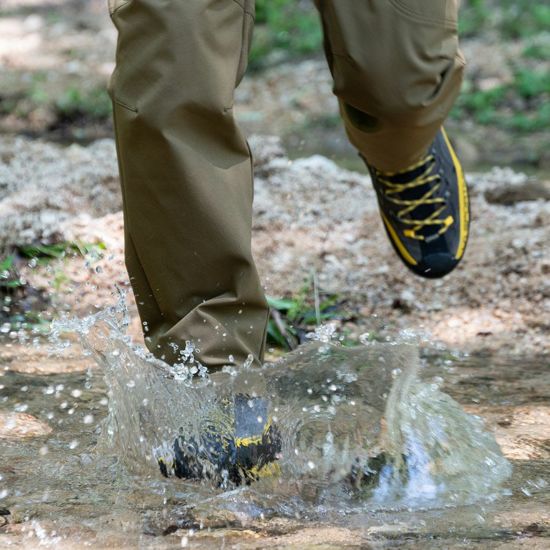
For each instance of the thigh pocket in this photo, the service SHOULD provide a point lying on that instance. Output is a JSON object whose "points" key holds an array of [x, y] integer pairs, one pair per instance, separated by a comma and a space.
{"points": [[437, 12], [249, 8]]}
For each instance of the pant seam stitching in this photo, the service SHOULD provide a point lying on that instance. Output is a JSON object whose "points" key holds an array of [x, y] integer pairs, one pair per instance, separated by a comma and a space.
{"points": [[407, 12], [125, 105], [243, 7]]}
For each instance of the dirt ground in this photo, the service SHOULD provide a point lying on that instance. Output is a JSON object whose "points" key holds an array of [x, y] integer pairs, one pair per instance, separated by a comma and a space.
{"points": [[310, 215]]}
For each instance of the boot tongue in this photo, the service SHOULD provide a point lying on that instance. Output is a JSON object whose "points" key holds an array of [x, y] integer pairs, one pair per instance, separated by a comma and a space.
{"points": [[422, 211]]}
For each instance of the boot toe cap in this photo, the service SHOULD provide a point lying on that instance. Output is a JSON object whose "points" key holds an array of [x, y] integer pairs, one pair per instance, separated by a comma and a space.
{"points": [[436, 265]]}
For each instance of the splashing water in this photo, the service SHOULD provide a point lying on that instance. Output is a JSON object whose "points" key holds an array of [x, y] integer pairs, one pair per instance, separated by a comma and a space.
{"points": [[338, 411]]}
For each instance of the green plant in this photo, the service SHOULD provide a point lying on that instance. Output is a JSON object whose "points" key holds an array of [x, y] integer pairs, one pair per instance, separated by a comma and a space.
{"points": [[9, 279], [286, 27], [522, 18], [59, 279], [94, 103], [532, 83], [530, 89], [48, 252], [474, 16], [538, 47], [292, 318]]}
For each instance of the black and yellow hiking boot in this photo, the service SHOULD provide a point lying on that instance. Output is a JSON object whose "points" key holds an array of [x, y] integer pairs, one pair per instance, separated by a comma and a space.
{"points": [[425, 210], [239, 445]]}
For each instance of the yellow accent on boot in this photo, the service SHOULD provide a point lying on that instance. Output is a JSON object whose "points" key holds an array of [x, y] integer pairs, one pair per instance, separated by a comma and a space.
{"points": [[462, 199], [400, 246]]}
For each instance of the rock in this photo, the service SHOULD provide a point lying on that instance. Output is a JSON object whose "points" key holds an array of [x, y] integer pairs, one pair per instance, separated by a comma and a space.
{"points": [[21, 425], [530, 190], [405, 302]]}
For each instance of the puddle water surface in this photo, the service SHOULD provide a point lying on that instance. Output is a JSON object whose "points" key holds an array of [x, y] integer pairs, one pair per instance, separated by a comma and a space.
{"points": [[94, 479]]}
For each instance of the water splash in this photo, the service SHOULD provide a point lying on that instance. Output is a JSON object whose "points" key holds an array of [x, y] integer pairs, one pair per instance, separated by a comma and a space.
{"points": [[345, 415]]}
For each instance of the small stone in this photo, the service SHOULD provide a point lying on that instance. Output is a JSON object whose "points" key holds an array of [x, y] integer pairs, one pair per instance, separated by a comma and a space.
{"points": [[511, 193], [21, 425]]}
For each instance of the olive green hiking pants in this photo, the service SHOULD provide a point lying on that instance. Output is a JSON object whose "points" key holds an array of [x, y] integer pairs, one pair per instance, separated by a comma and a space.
{"points": [[185, 166]]}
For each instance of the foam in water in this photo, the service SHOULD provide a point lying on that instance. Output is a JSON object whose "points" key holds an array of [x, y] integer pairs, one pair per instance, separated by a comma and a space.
{"points": [[338, 410]]}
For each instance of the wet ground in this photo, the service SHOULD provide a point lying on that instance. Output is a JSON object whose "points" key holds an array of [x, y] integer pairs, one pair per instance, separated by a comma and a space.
{"points": [[56, 491]]}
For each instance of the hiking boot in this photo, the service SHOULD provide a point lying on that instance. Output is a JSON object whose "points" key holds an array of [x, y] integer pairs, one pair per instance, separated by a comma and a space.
{"points": [[241, 446], [425, 210]]}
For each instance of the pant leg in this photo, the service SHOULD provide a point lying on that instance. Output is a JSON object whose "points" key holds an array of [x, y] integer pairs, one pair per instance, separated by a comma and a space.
{"points": [[186, 175], [397, 71]]}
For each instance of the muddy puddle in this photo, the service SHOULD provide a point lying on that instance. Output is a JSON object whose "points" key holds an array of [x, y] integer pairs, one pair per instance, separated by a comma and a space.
{"points": [[464, 440]]}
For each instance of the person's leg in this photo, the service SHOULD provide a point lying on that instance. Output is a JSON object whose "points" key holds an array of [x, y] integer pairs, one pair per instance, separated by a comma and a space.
{"points": [[397, 70], [186, 176]]}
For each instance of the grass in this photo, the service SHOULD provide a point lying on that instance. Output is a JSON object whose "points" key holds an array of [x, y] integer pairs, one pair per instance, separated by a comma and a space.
{"points": [[60, 250], [292, 318], [521, 105], [473, 17], [284, 29], [75, 103], [521, 18], [21, 305], [9, 278]]}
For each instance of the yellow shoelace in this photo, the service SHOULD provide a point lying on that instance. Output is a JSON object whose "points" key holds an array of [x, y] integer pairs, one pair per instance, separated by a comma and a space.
{"points": [[392, 188]]}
